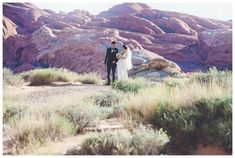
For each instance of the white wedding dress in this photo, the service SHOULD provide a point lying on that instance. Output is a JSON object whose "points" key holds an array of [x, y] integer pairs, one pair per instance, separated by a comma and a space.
{"points": [[123, 65]]}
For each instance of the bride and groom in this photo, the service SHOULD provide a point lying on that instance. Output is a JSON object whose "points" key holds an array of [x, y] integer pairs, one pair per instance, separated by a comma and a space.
{"points": [[120, 60]]}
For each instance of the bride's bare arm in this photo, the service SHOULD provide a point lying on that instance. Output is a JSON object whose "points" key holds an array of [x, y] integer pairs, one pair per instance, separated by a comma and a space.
{"points": [[124, 55]]}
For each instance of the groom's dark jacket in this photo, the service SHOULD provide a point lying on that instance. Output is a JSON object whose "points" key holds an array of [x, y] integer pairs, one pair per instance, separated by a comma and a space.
{"points": [[111, 55]]}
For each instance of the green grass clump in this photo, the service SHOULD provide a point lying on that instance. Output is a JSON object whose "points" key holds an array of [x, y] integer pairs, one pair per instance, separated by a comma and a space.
{"points": [[131, 85], [108, 99], [46, 76], [84, 114], [90, 78]]}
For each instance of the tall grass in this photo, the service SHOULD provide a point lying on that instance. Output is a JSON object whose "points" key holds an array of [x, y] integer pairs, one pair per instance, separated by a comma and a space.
{"points": [[31, 131], [222, 78], [49, 75], [30, 126], [11, 79], [46, 76]]}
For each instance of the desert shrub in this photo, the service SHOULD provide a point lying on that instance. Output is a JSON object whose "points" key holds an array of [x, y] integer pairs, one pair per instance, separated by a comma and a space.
{"points": [[224, 134], [107, 99], [32, 126], [12, 113], [30, 131], [25, 74], [131, 85], [90, 78], [222, 78], [214, 121], [180, 124], [206, 122], [11, 79], [84, 114], [49, 75], [118, 110], [142, 141]]}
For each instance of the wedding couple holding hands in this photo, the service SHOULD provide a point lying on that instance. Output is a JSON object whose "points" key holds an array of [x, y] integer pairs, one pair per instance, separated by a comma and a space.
{"points": [[120, 60]]}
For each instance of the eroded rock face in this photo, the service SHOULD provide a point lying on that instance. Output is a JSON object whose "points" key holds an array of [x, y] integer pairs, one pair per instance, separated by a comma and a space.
{"points": [[216, 48], [77, 40], [24, 15], [9, 28]]}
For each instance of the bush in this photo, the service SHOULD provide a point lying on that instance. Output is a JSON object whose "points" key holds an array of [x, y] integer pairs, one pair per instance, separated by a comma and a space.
{"points": [[215, 120], [224, 134], [25, 75], [49, 75], [207, 122], [130, 85], [11, 79], [107, 99], [83, 115], [30, 131], [142, 141], [90, 78]]}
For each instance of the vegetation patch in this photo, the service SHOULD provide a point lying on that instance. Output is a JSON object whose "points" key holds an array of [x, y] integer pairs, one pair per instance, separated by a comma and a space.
{"points": [[142, 141]]}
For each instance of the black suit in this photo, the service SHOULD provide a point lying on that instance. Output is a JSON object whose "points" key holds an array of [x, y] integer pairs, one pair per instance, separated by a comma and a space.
{"points": [[109, 58]]}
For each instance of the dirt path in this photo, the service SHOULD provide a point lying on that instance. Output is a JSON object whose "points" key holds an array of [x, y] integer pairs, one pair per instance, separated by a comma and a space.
{"points": [[47, 94]]}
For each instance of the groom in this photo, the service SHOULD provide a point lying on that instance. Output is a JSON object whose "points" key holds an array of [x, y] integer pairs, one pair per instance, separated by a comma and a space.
{"points": [[111, 61]]}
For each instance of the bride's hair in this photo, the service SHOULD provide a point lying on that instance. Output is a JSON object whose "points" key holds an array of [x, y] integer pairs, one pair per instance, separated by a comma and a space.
{"points": [[125, 47]]}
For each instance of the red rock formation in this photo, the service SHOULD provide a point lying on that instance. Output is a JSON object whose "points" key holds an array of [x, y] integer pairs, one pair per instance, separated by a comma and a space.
{"points": [[78, 40], [9, 28], [216, 48], [125, 8], [23, 15]]}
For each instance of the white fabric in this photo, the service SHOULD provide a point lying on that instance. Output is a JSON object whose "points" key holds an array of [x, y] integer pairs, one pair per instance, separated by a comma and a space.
{"points": [[123, 65], [128, 59]]}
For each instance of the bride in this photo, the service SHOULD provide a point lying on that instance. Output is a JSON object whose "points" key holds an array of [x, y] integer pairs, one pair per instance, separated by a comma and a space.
{"points": [[124, 63]]}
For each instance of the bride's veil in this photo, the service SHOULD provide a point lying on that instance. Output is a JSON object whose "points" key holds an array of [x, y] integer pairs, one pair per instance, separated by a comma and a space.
{"points": [[128, 59]]}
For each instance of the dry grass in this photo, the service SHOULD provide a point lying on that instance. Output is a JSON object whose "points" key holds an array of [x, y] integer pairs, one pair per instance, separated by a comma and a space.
{"points": [[30, 126], [142, 141], [194, 108], [131, 85], [165, 95], [11, 79], [39, 77], [90, 78]]}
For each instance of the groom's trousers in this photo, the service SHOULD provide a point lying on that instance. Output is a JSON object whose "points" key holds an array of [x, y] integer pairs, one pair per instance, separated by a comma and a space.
{"points": [[111, 66]]}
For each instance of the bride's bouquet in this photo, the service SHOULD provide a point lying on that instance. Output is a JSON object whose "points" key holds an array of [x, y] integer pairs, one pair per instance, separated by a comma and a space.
{"points": [[118, 55]]}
